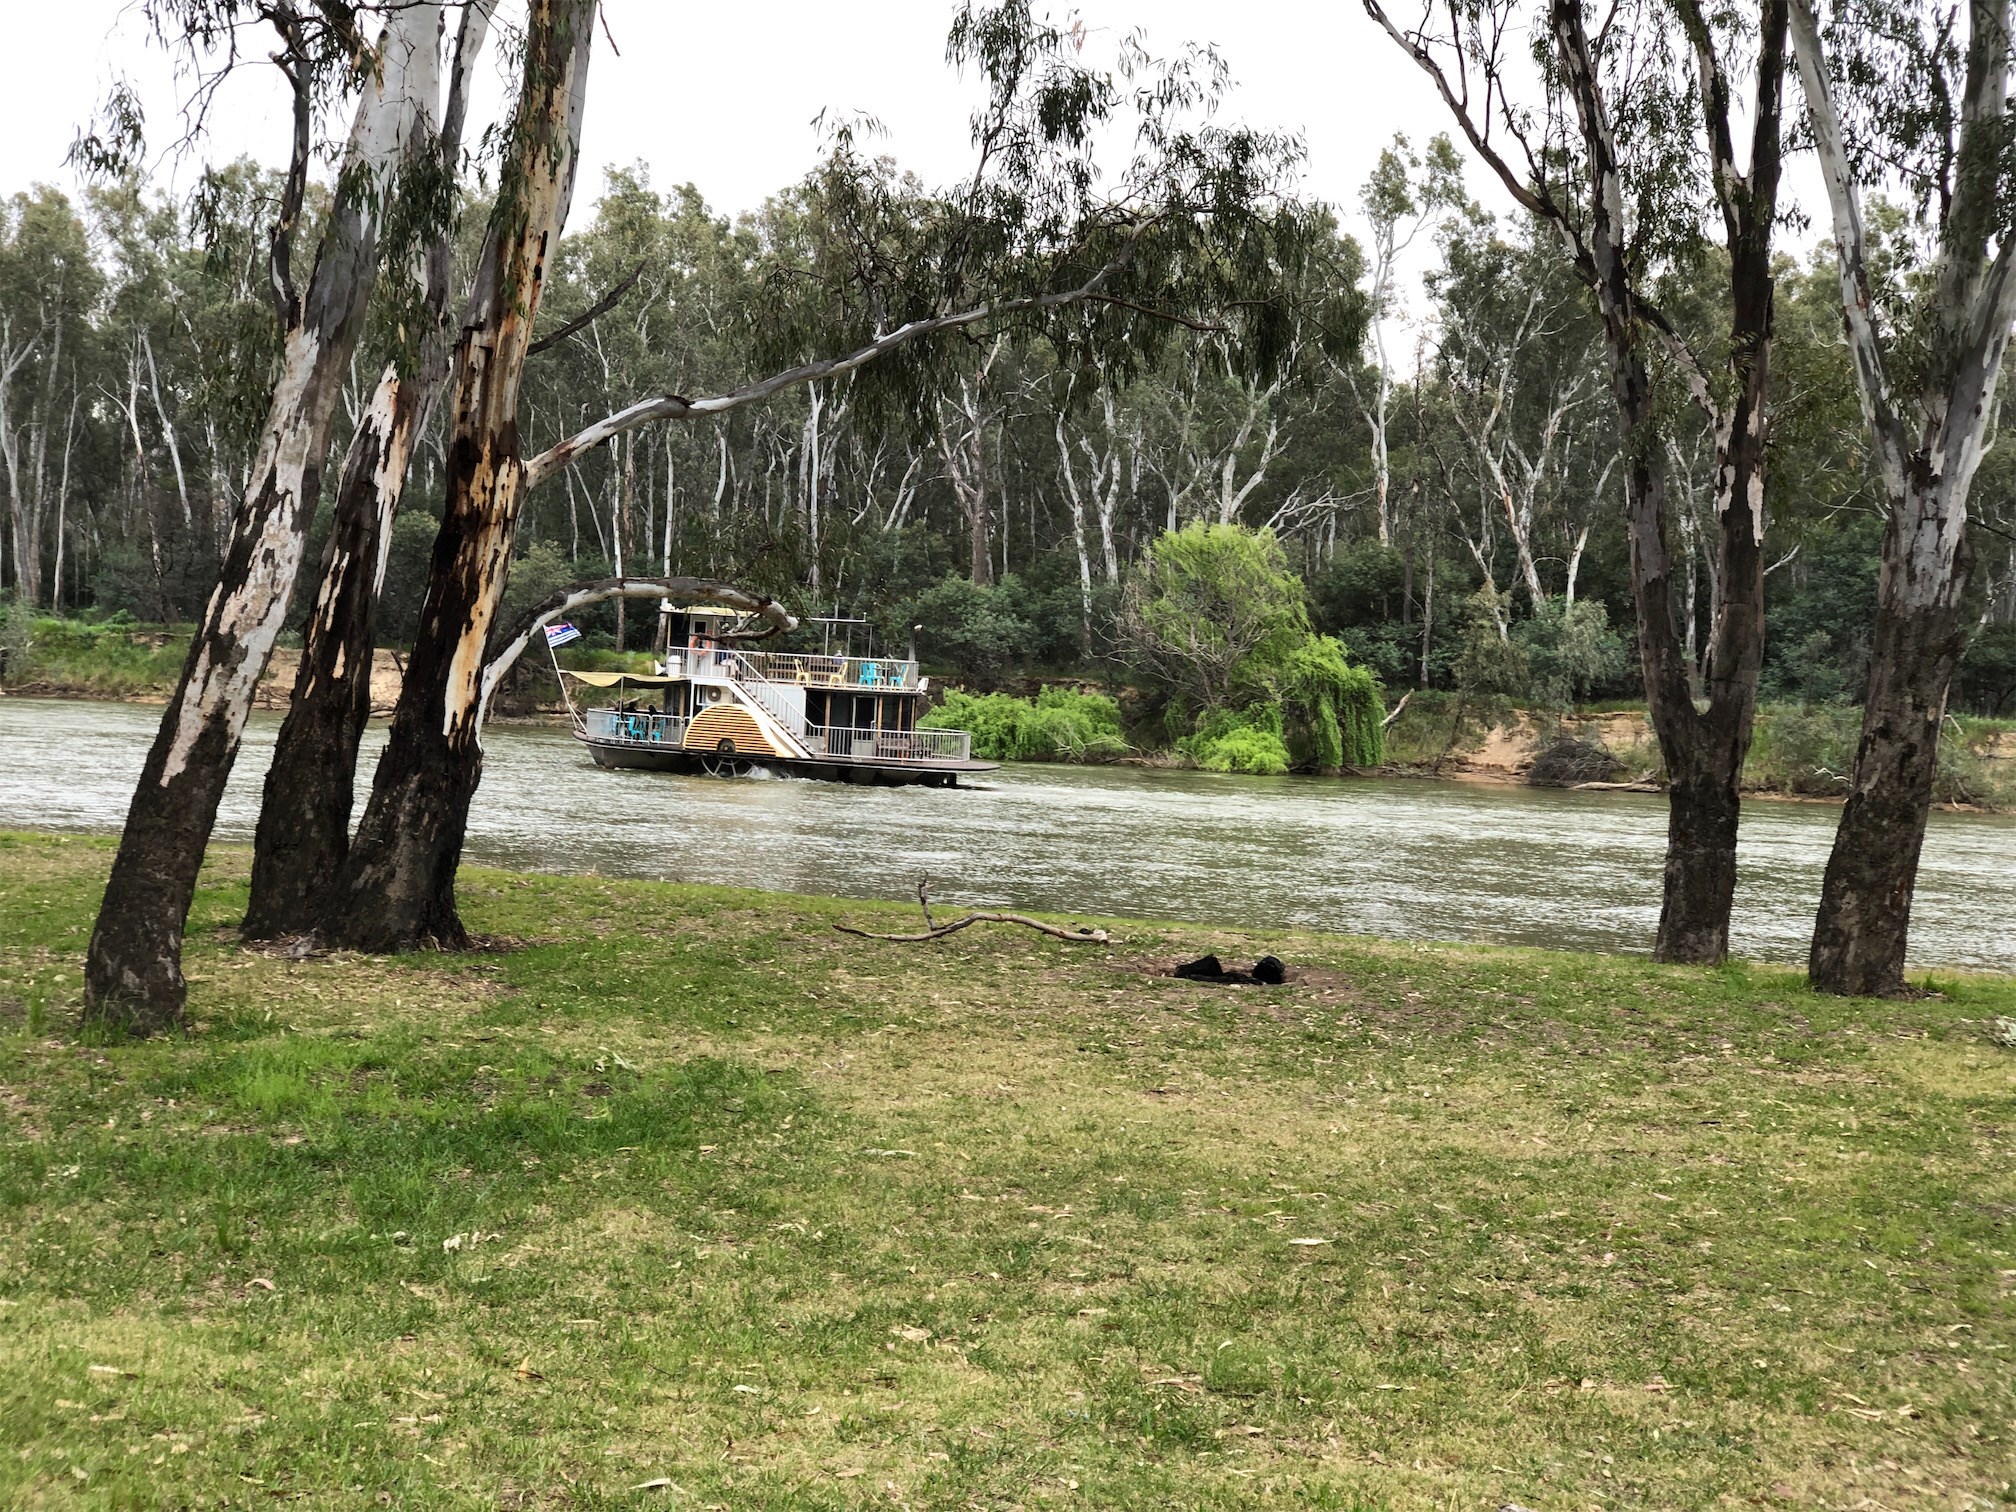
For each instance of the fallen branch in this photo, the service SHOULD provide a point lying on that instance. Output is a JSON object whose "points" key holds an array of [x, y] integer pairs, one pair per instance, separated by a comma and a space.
{"points": [[1388, 720], [936, 931], [1078, 937]]}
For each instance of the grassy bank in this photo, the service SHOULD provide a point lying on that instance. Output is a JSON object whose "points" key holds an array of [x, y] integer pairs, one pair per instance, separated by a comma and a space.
{"points": [[1801, 751], [687, 1190], [98, 659]]}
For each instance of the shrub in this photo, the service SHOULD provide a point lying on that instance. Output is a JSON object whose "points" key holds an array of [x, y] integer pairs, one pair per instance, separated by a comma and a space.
{"points": [[1364, 584], [1334, 713], [1489, 665], [1967, 772], [407, 559], [1808, 750], [1987, 680], [1243, 740], [1570, 651], [1210, 612], [979, 633], [1061, 724]]}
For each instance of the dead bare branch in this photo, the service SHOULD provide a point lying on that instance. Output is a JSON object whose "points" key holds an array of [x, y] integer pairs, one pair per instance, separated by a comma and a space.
{"points": [[937, 931]]}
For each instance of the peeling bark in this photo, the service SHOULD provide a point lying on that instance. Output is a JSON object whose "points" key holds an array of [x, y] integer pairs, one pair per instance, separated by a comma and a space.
{"points": [[304, 818], [397, 888], [133, 977], [1862, 929]]}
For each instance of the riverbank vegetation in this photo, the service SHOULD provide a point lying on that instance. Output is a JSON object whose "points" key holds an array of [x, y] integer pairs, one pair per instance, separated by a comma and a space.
{"points": [[1052, 416], [1058, 724], [677, 1188], [1802, 750]]}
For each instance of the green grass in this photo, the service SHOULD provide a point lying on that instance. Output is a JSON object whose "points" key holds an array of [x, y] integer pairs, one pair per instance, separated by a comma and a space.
{"points": [[686, 1186], [112, 659]]}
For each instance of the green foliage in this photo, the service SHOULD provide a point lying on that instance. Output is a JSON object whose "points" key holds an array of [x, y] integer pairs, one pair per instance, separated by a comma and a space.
{"points": [[406, 562], [1987, 680], [1210, 610], [987, 632], [1809, 750], [1244, 740], [1060, 724], [1194, 221], [1489, 665], [17, 618], [541, 572], [1818, 644], [1967, 772], [1333, 710], [1570, 650], [113, 657], [1362, 585], [1218, 623]]}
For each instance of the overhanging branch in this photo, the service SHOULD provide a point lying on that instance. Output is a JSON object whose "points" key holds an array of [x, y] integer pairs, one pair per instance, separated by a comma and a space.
{"points": [[679, 407], [514, 643]]}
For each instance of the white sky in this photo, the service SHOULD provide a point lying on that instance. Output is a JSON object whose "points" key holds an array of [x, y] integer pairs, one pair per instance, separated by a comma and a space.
{"points": [[724, 96]]}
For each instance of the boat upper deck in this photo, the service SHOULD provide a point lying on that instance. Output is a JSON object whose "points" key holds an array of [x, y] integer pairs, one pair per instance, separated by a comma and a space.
{"points": [[883, 674]]}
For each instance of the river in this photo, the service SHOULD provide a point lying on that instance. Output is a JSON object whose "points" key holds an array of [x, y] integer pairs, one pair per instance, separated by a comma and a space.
{"points": [[1396, 857]]}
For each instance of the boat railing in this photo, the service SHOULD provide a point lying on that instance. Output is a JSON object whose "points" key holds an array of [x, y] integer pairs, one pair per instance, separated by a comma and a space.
{"points": [[635, 727], [855, 673], [849, 744]]}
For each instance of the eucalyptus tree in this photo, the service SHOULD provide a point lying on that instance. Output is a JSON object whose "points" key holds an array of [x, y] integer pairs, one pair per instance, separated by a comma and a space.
{"points": [[48, 286], [397, 880], [187, 324], [1518, 360], [1624, 148], [303, 832], [1191, 229], [1407, 192], [133, 975], [1898, 96]]}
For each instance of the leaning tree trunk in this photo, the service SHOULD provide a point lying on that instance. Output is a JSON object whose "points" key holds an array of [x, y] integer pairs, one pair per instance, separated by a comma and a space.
{"points": [[304, 816], [1864, 920], [397, 888], [133, 975]]}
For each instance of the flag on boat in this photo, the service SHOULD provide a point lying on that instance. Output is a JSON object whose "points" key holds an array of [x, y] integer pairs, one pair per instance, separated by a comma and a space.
{"points": [[559, 635]]}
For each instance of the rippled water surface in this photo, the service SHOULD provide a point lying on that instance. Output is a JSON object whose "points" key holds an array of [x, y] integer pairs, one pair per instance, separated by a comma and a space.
{"points": [[1443, 861]]}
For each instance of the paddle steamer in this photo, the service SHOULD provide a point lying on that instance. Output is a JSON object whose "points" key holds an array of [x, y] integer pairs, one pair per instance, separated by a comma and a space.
{"points": [[712, 705]]}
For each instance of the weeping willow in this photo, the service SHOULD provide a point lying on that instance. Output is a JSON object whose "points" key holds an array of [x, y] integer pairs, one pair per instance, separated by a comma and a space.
{"points": [[1334, 713]]}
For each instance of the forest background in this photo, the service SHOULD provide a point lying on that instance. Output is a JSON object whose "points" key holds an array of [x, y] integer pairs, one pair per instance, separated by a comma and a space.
{"points": [[1442, 497]]}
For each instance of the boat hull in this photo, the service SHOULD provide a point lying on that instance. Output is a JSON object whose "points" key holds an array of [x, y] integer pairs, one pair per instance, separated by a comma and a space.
{"points": [[619, 755]]}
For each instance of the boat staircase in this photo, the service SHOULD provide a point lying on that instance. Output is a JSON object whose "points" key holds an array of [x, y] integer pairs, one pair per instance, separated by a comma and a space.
{"points": [[751, 704]]}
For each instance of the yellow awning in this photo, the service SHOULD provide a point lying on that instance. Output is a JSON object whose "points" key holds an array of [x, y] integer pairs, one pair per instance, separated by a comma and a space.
{"points": [[610, 679]]}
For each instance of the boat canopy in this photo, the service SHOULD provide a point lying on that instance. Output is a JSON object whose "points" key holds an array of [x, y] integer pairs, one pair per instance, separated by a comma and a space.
{"points": [[611, 679]]}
